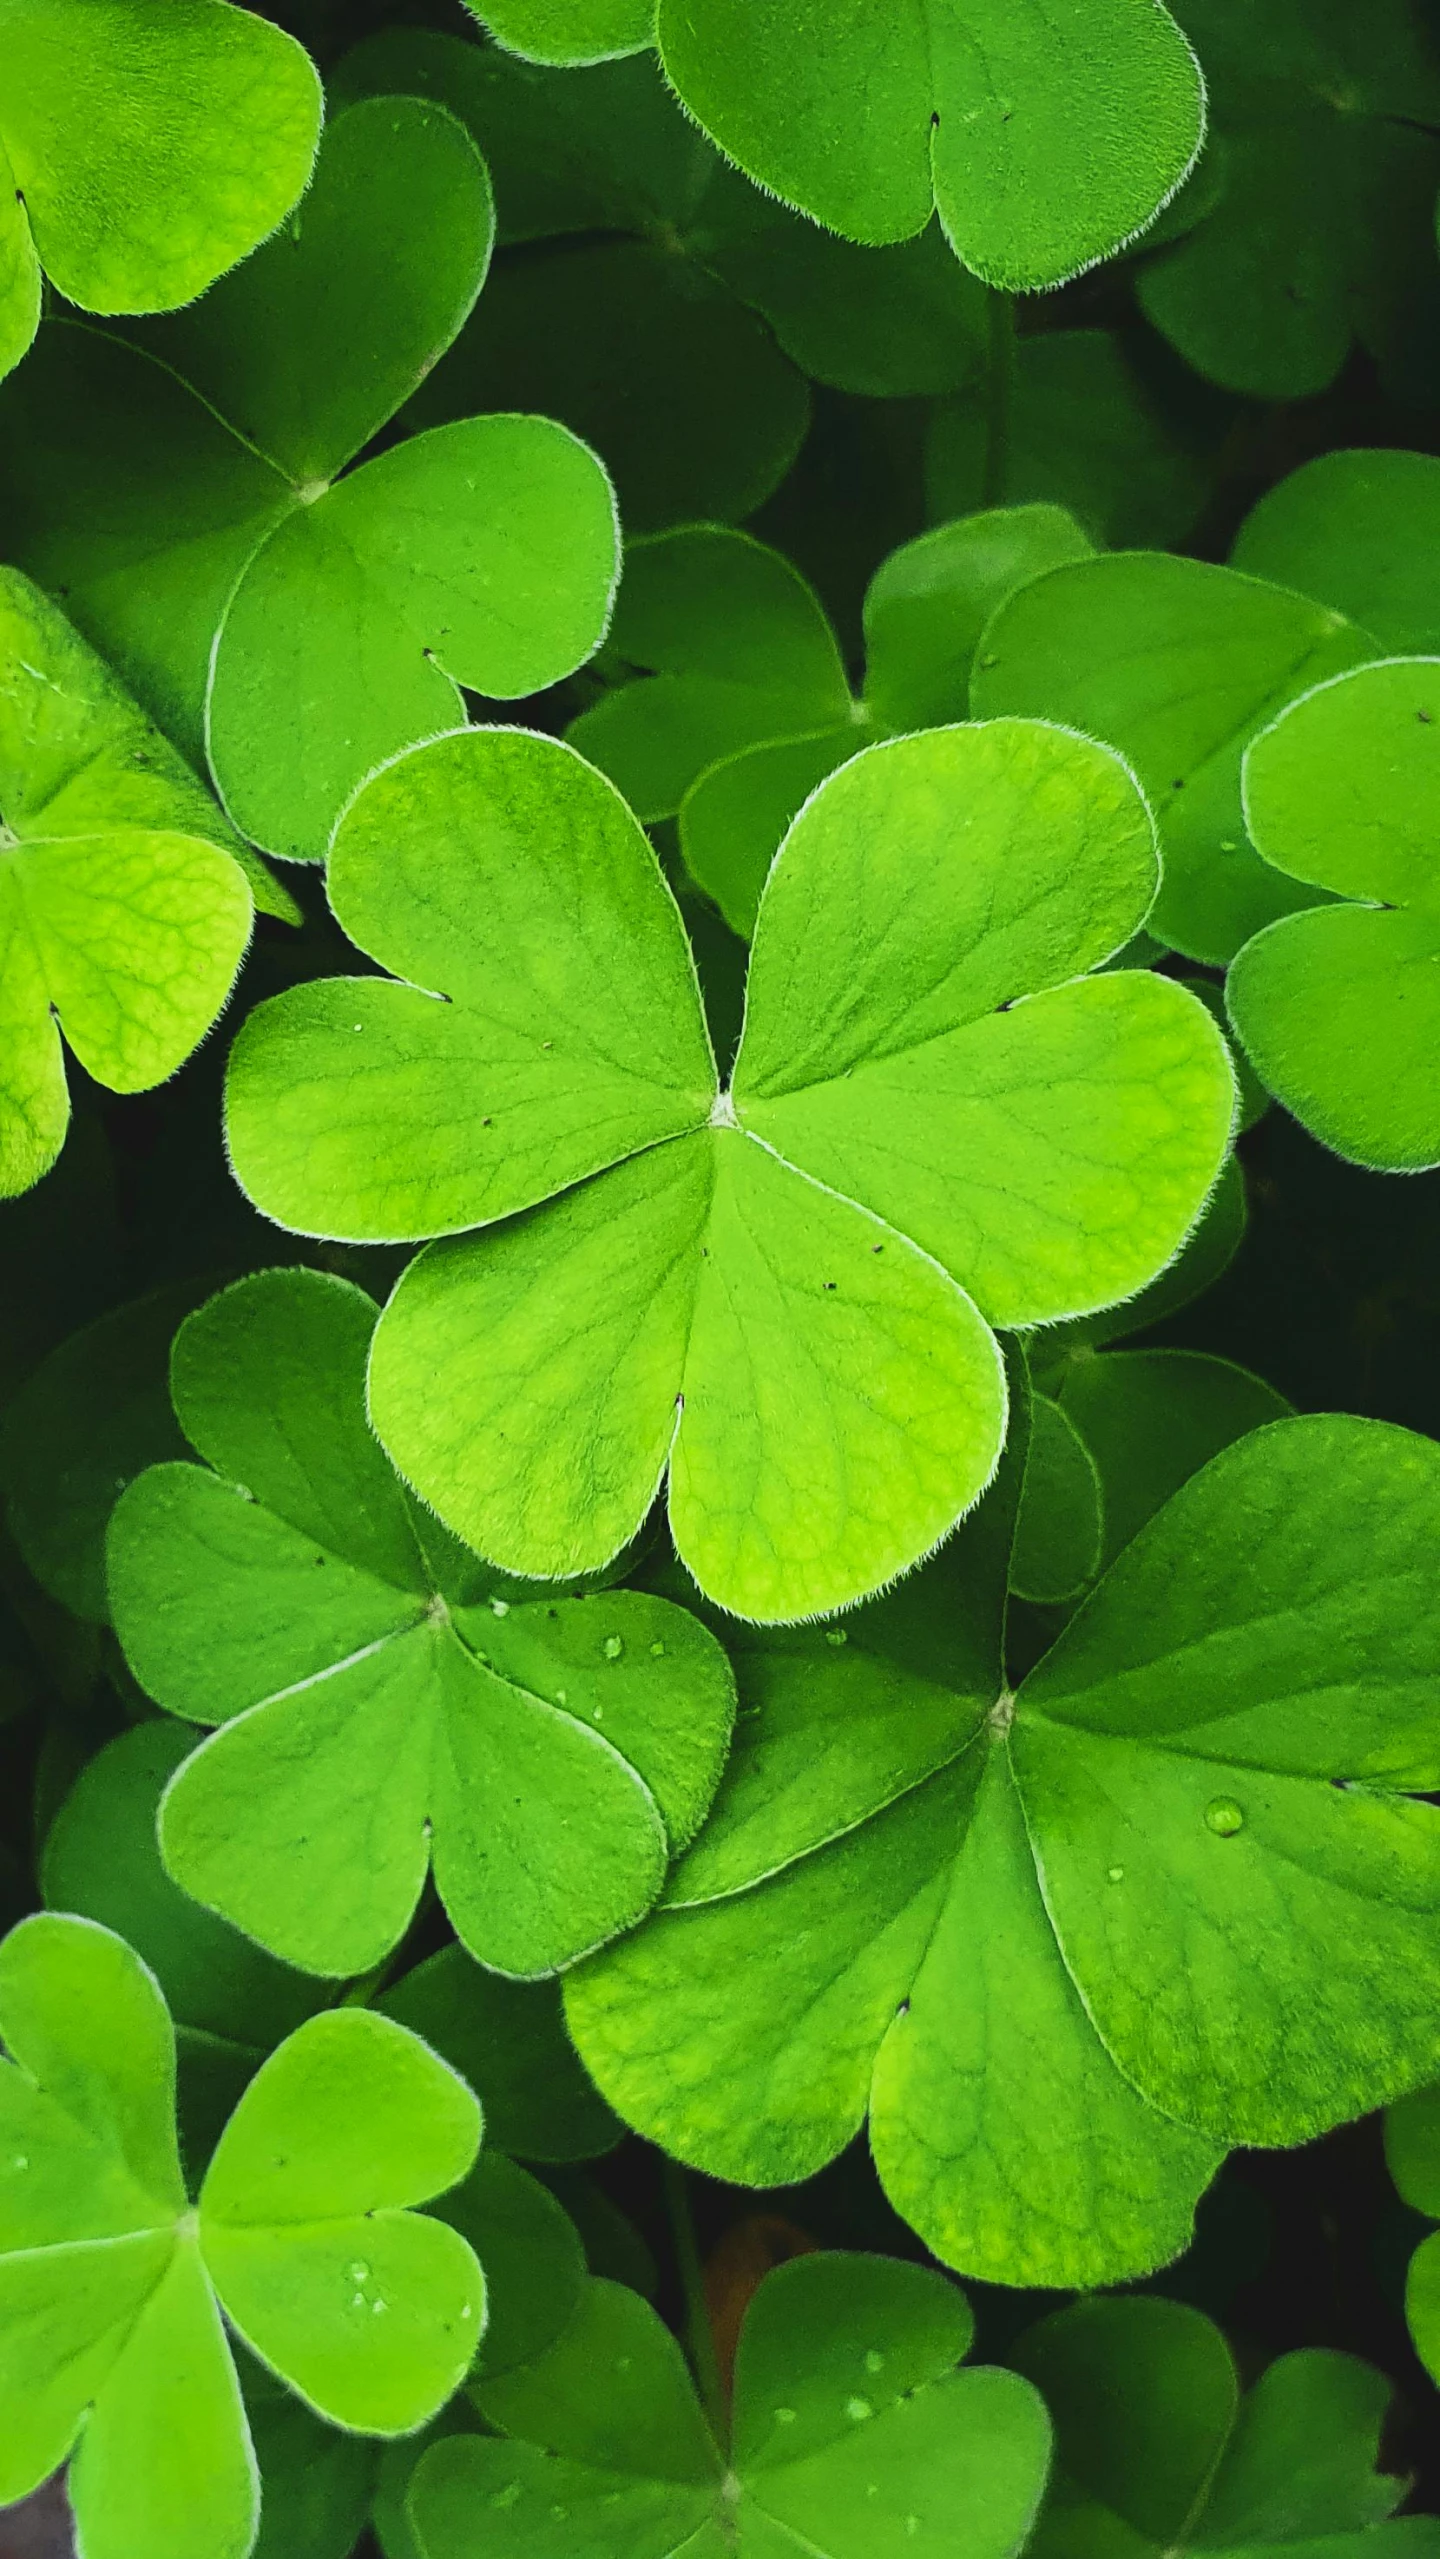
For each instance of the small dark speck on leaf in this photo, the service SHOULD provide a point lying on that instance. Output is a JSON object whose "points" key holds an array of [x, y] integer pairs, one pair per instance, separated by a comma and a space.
{"points": [[1426, 719], [877, 1248], [830, 1283], [486, 1123], [1179, 782]]}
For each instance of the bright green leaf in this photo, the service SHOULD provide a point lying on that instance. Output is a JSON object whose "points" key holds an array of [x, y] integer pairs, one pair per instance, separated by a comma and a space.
{"points": [[1212, 1769], [112, 2286], [353, 604], [569, 31], [1043, 146], [1339, 1009], [381, 1702], [852, 2433], [928, 604], [869, 1424], [148, 149], [122, 920], [1177, 664], [1354, 530]]}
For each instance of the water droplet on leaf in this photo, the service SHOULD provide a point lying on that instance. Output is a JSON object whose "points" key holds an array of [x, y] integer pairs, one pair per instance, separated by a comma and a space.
{"points": [[1224, 1816], [784, 2416], [1116, 1874], [836, 1635], [613, 1647], [858, 2409], [656, 1652], [874, 2361], [359, 2272]]}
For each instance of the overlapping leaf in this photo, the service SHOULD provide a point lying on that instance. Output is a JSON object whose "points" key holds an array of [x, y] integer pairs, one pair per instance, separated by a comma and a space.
{"points": [[112, 2285], [382, 1701], [1339, 1008], [1156, 2448], [1043, 140], [1178, 664], [1174, 1892], [201, 481], [1327, 162], [852, 2431], [745, 704], [784, 1292], [144, 151], [1144, 1422], [1356, 530], [123, 917]]}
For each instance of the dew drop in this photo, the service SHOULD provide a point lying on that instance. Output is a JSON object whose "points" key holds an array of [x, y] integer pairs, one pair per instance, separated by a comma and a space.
{"points": [[377, 2306], [20, 2160], [504, 2498], [466, 2311], [613, 1647], [836, 1635], [657, 1652], [597, 1714], [873, 2490], [500, 1607], [562, 1696], [1224, 1816], [912, 2524], [784, 2416], [858, 2409], [1115, 1874], [874, 2361], [359, 2273], [358, 2303]]}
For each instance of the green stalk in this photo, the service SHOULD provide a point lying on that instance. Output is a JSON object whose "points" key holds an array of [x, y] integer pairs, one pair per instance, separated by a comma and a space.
{"points": [[999, 396], [699, 2337]]}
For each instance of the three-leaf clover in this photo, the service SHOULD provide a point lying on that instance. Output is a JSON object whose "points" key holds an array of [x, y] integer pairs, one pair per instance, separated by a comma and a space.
{"points": [[1412, 2150], [192, 497], [1044, 141], [143, 150], [1327, 162], [1338, 1008], [1357, 530], [1061, 1941], [113, 2285], [784, 1292], [383, 1699], [1177, 663], [1156, 2449], [851, 2430], [123, 916], [744, 704]]}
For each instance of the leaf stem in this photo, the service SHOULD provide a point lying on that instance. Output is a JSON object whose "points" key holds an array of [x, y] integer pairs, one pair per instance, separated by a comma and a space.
{"points": [[699, 2337], [999, 397]]}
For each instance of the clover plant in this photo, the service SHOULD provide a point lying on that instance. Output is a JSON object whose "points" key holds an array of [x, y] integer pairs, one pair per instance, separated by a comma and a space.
{"points": [[849, 2417], [1325, 134], [113, 2284], [1157, 2448], [718, 1416], [1066, 1942], [1220, 654], [383, 1700], [145, 146], [773, 1238], [126, 902], [871, 122], [249, 585], [747, 705], [1339, 1008]]}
